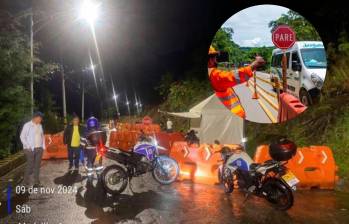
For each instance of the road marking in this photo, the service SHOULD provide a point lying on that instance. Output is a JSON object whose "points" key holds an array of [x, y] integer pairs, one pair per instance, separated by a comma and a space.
{"points": [[266, 91], [269, 82], [275, 106], [264, 80], [266, 110]]}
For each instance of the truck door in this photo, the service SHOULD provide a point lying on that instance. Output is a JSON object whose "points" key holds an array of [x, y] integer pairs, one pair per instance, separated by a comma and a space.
{"points": [[293, 76]]}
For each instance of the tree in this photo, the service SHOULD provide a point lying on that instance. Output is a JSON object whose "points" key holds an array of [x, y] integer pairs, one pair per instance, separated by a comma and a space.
{"points": [[304, 30], [165, 84], [14, 79], [222, 41], [264, 52]]}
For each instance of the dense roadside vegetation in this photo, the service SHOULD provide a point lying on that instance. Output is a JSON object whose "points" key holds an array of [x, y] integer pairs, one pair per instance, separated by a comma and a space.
{"points": [[14, 80]]}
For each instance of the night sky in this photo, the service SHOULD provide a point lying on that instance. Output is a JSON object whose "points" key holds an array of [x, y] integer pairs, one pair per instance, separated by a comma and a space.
{"points": [[140, 40]]}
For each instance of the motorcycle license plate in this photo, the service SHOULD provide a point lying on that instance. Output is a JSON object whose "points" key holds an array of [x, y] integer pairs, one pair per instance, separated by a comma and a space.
{"points": [[290, 179], [98, 157]]}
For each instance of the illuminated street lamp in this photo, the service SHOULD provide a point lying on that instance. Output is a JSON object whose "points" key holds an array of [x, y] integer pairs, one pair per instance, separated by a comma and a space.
{"points": [[89, 11]]}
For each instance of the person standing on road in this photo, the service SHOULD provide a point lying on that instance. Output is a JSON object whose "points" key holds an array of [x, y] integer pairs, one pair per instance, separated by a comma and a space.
{"points": [[169, 125], [223, 81], [89, 141], [33, 140], [71, 138]]}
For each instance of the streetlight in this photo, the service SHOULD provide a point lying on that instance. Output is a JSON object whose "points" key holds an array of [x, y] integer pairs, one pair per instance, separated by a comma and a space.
{"points": [[92, 69], [89, 11]]}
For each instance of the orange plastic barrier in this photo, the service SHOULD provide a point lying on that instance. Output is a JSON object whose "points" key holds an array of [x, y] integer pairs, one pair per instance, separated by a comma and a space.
{"points": [[314, 166], [290, 107], [55, 148], [166, 140], [146, 128], [197, 163], [147, 120], [124, 140]]}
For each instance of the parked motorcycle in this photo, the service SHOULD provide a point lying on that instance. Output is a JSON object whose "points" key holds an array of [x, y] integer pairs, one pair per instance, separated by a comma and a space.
{"points": [[270, 180], [143, 158]]}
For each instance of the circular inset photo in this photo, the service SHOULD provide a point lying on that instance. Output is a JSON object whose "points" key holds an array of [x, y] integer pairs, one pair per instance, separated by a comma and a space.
{"points": [[267, 64]]}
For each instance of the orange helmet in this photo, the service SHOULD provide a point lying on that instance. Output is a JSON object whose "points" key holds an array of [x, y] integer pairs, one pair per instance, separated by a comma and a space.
{"points": [[212, 51]]}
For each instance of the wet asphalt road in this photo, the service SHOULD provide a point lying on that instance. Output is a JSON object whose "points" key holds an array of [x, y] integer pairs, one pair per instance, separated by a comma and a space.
{"points": [[181, 202]]}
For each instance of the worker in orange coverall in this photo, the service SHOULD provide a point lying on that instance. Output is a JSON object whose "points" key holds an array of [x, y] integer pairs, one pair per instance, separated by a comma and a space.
{"points": [[223, 81]]}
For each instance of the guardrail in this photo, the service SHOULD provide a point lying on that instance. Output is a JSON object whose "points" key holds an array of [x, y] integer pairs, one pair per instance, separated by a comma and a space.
{"points": [[287, 106], [268, 103]]}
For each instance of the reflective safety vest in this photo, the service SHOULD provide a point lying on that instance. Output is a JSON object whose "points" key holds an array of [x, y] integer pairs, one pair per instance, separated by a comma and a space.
{"points": [[223, 81], [232, 102]]}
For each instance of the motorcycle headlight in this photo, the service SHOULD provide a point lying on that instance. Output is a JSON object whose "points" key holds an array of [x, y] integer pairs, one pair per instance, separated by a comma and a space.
{"points": [[144, 159], [155, 142], [316, 80]]}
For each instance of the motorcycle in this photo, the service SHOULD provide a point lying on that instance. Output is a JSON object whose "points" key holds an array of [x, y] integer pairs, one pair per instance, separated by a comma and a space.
{"points": [[143, 158], [270, 180]]}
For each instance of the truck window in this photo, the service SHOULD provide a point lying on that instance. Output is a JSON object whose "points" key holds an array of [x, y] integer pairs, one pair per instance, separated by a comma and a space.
{"points": [[295, 57], [314, 58], [278, 60]]}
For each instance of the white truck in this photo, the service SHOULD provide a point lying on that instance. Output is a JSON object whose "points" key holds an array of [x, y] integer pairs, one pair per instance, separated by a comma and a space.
{"points": [[306, 69]]}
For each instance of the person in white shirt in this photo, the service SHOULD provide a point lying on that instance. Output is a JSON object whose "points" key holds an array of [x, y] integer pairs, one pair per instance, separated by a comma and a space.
{"points": [[33, 140], [169, 125]]}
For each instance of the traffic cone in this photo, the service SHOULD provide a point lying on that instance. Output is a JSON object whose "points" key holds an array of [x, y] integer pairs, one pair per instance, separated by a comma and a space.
{"points": [[255, 95]]}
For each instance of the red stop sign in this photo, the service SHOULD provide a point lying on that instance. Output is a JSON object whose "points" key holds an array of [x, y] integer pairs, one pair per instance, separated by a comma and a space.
{"points": [[283, 37]]}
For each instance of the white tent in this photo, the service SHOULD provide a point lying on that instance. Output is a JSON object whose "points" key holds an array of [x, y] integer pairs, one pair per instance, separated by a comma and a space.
{"points": [[214, 122]]}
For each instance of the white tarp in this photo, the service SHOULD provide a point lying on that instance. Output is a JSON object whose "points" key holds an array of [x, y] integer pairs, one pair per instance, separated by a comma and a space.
{"points": [[214, 122]]}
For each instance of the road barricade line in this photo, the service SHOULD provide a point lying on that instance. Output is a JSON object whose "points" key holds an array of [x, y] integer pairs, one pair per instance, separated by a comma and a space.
{"points": [[266, 91], [265, 108], [269, 82], [266, 81], [267, 99]]}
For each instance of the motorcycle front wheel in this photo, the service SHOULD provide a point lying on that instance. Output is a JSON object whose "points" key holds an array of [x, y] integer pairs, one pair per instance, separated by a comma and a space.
{"points": [[278, 193], [166, 170], [114, 179]]}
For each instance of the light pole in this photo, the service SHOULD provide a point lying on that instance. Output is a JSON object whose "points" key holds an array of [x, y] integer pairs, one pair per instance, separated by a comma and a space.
{"points": [[31, 63], [83, 101], [63, 97], [90, 68]]}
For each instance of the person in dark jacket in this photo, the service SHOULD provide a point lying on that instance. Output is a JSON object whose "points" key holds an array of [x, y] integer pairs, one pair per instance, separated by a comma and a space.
{"points": [[72, 135], [89, 141]]}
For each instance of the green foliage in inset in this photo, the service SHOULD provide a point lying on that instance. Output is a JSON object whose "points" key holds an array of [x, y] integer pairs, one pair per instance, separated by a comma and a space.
{"points": [[303, 29]]}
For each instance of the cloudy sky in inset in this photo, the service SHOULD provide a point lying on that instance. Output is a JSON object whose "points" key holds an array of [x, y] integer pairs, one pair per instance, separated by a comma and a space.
{"points": [[251, 25]]}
